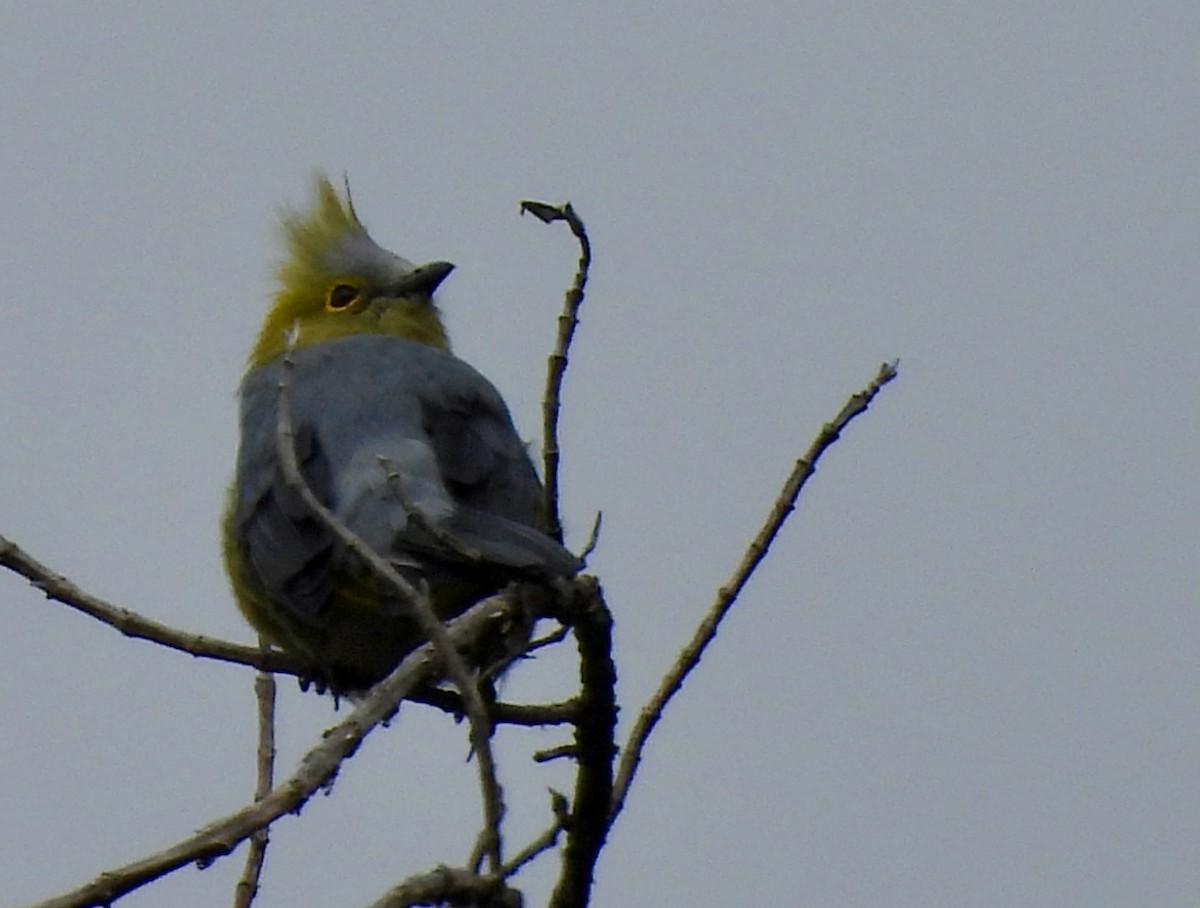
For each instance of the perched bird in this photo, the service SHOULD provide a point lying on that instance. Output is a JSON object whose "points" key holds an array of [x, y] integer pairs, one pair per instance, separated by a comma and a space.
{"points": [[372, 390]]}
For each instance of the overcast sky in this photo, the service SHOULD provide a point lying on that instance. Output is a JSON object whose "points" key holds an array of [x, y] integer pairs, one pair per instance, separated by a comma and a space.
{"points": [[966, 676]]}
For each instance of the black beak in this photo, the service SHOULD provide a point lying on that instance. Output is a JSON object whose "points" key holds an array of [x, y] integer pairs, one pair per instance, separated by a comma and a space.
{"points": [[423, 280]]}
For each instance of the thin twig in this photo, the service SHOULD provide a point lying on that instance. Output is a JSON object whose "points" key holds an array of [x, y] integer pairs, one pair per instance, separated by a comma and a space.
{"points": [[560, 752], [526, 714], [548, 838], [556, 636], [421, 609], [671, 683], [556, 365], [315, 771], [264, 693], [593, 538]]}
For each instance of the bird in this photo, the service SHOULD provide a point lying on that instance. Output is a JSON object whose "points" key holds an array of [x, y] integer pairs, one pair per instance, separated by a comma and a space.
{"points": [[410, 448]]}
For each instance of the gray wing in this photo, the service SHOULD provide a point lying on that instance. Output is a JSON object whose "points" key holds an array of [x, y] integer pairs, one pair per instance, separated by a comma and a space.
{"points": [[366, 405]]}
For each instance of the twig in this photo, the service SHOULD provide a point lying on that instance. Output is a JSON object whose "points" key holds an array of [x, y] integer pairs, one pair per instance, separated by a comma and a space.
{"points": [[138, 627], [421, 609], [544, 842], [560, 752], [556, 365], [556, 636], [264, 693], [652, 712], [528, 714], [593, 538], [316, 770]]}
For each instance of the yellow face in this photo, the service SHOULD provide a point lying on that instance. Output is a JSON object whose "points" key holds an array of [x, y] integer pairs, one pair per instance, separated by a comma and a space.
{"points": [[337, 281]]}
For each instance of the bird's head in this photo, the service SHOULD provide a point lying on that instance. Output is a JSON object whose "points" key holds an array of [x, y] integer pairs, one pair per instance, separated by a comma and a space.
{"points": [[335, 281]]}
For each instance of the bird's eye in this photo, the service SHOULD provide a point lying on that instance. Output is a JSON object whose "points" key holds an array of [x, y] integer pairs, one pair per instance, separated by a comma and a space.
{"points": [[341, 296]]}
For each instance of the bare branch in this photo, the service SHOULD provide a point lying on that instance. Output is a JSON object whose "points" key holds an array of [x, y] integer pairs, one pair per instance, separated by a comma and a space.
{"points": [[550, 754], [529, 714], [588, 825], [544, 842], [558, 635], [652, 712], [556, 365], [264, 693], [317, 769], [138, 627], [593, 538]]}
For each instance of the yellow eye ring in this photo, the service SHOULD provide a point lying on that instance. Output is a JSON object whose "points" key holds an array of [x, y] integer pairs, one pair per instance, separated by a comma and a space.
{"points": [[341, 297]]}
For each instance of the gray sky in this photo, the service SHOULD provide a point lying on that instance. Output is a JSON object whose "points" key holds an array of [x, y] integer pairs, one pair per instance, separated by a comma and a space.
{"points": [[966, 676]]}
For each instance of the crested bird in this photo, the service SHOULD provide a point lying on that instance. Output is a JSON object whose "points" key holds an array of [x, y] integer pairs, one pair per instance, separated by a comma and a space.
{"points": [[385, 422]]}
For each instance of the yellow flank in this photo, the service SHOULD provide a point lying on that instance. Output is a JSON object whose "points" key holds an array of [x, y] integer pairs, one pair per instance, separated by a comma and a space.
{"points": [[320, 300], [355, 599], [252, 600]]}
